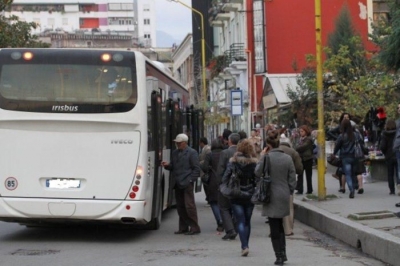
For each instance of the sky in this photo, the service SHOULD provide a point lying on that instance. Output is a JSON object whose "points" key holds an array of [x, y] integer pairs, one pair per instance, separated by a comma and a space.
{"points": [[173, 19]]}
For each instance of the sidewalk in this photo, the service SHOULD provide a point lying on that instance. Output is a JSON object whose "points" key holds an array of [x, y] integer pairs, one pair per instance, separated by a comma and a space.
{"points": [[379, 238]]}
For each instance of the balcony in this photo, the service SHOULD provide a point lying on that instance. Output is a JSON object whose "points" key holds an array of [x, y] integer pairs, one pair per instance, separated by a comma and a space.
{"points": [[216, 13], [235, 53], [223, 17], [228, 6], [215, 23], [234, 56], [233, 1]]}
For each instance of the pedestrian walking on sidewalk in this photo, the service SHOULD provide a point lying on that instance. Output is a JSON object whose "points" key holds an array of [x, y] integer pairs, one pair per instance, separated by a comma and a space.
{"points": [[284, 145], [283, 183], [333, 134], [205, 149], [346, 143], [305, 149], [243, 163], [210, 167], [224, 203], [386, 146]]}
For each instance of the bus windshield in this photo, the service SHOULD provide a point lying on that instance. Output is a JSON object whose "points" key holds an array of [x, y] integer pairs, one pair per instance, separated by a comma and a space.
{"points": [[69, 81]]}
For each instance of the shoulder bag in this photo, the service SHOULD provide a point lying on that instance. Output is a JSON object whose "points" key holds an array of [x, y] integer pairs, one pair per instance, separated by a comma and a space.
{"points": [[358, 150], [262, 194], [231, 187]]}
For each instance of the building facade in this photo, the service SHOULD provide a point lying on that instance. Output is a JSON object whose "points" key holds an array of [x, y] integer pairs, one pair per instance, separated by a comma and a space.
{"points": [[104, 18]]}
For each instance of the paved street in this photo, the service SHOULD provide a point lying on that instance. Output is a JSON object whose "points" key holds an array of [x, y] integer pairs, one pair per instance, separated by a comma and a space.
{"points": [[104, 247]]}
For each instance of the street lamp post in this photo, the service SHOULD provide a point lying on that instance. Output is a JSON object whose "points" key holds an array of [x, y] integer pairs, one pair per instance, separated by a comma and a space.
{"points": [[203, 48]]}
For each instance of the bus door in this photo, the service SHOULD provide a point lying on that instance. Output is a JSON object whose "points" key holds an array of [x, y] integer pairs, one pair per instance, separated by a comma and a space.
{"points": [[156, 128], [174, 127]]}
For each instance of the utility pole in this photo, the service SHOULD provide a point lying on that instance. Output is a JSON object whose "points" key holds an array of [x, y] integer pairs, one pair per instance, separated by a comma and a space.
{"points": [[321, 129]]}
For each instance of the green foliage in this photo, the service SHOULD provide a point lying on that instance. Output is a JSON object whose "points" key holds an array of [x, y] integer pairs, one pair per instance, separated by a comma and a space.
{"points": [[353, 81], [16, 33], [386, 34], [345, 35]]}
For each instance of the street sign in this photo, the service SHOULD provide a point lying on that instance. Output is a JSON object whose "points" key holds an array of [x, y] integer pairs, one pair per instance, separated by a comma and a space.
{"points": [[236, 103]]}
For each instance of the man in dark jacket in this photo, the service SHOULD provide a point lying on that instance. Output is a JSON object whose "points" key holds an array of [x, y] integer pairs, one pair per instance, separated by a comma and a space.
{"points": [[224, 203], [185, 170]]}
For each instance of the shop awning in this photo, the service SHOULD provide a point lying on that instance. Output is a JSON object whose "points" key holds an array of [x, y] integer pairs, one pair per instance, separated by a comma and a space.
{"points": [[280, 84]]}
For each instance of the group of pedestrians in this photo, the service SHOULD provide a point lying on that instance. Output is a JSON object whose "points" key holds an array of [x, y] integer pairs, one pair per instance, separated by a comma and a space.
{"points": [[347, 136], [235, 153]]}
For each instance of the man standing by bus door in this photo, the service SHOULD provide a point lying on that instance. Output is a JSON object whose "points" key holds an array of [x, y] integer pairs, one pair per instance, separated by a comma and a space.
{"points": [[224, 203], [185, 170]]}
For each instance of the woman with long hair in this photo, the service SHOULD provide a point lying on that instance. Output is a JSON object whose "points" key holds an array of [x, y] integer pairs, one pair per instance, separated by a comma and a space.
{"points": [[283, 183], [305, 149], [345, 143], [243, 163]]}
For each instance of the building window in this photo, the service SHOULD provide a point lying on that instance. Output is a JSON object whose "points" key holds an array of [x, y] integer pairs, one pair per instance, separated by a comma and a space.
{"points": [[147, 36], [50, 22], [120, 21], [146, 8], [146, 21], [120, 6], [65, 21], [378, 12]]}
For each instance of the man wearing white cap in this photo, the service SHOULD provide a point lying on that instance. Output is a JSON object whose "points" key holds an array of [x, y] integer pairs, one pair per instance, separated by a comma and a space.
{"points": [[185, 169]]}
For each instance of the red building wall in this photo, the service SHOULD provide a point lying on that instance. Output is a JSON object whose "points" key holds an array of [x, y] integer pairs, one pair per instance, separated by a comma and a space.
{"points": [[290, 29]]}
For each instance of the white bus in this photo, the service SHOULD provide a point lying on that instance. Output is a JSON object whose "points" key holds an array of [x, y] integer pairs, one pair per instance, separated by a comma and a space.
{"points": [[82, 135]]}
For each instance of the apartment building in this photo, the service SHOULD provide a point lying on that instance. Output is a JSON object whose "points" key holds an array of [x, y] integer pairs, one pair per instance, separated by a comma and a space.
{"points": [[261, 46], [91, 20]]}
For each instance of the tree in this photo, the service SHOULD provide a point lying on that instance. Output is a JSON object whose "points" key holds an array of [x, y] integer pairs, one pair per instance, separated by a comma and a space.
{"points": [[353, 81], [16, 33]]}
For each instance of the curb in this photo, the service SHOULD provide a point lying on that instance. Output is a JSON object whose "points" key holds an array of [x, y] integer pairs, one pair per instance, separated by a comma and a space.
{"points": [[380, 245]]}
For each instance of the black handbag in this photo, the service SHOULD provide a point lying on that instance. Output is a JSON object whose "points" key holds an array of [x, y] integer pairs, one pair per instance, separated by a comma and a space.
{"points": [[231, 187], [334, 160], [262, 194], [205, 178]]}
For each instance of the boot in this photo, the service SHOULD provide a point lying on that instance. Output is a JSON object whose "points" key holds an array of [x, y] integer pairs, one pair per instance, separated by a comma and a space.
{"points": [[276, 244], [283, 246], [279, 258]]}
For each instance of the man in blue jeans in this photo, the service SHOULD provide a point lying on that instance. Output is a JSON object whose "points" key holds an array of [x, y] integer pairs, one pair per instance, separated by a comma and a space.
{"points": [[396, 148]]}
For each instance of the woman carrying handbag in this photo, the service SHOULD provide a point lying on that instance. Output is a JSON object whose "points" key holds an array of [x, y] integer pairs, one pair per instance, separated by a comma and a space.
{"points": [[283, 183], [241, 168]]}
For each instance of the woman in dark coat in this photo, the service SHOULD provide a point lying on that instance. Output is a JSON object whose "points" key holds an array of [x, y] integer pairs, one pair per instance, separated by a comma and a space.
{"points": [[345, 143], [386, 147], [243, 163], [283, 183], [210, 166], [305, 149]]}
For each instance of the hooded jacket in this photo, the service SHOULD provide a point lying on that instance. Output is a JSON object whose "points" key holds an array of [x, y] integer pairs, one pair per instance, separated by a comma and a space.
{"points": [[244, 167]]}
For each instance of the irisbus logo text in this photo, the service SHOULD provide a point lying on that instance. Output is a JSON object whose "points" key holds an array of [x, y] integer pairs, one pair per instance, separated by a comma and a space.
{"points": [[64, 108]]}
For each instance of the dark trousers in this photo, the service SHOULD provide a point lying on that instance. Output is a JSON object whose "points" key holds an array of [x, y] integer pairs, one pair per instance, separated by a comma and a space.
{"points": [[391, 164], [186, 207], [277, 236], [276, 227], [307, 166], [225, 207]]}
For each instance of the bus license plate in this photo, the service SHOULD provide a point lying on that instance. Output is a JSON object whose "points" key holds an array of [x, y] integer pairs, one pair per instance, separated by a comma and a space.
{"points": [[63, 183]]}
